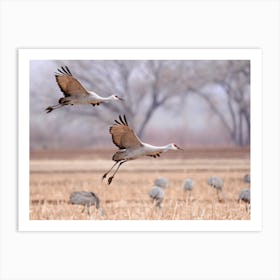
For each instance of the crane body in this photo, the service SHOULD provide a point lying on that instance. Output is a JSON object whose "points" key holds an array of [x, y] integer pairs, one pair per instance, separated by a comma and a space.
{"points": [[161, 182], [218, 184], [75, 93], [145, 150], [130, 146], [157, 195], [87, 199]]}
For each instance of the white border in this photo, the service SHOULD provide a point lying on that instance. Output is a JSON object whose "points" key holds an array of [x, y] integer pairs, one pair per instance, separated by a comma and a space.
{"points": [[24, 57]]}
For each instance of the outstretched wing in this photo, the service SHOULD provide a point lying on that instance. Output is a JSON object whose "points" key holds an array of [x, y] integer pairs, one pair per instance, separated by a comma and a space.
{"points": [[68, 84], [123, 136]]}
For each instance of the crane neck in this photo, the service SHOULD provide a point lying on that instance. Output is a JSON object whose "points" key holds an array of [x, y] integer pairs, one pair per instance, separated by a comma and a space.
{"points": [[167, 147], [160, 148], [109, 97], [96, 96]]}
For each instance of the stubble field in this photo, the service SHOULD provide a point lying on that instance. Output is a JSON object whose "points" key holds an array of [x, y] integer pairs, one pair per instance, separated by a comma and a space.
{"points": [[54, 176]]}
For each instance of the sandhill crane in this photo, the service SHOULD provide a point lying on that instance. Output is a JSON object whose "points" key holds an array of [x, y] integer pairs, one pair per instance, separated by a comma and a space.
{"points": [[87, 199], [245, 195], [157, 194], [75, 93], [130, 146], [217, 183], [246, 178], [161, 182], [187, 186]]}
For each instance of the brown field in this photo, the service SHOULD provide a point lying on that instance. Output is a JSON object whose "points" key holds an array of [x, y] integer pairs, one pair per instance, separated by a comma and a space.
{"points": [[53, 176]]}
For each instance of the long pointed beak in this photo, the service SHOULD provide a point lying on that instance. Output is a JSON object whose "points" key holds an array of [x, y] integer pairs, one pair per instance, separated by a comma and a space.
{"points": [[121, 99], [180, 148]]}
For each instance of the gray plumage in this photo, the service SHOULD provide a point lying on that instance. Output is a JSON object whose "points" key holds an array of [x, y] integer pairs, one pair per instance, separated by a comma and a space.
{"points": [[157, 194], [215, 182], [245, 195], [188, 184], [161, 182], [87, 199], [247, 178]]}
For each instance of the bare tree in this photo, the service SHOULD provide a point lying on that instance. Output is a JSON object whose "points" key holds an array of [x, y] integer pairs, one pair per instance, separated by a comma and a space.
{"points": [[145, 86], [232, 80], [148, 87]]}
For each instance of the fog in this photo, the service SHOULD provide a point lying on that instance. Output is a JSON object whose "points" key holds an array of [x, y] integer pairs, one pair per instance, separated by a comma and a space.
{"points": [[192, 103]]}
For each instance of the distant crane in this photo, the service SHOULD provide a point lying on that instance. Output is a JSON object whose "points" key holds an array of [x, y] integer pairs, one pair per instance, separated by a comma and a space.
{"points": [[245, 195], [161, 182], [217, 183], [187, 186], [157, 195], [247, 178], [87, 199], [75, 93], [130, 146]]}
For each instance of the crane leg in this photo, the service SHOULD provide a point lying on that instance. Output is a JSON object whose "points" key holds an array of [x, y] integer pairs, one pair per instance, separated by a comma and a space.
{"points": [[223, 195], [51, 108], [189, 196], [84, 209], [104, 176], [111, 178]]}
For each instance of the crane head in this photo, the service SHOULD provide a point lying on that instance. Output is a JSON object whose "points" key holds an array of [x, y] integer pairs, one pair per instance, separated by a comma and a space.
{"points": [[118, 98], [175, 147]]}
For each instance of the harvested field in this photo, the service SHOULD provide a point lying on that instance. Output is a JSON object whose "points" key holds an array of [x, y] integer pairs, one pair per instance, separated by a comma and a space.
{"points": [[53, 176]]}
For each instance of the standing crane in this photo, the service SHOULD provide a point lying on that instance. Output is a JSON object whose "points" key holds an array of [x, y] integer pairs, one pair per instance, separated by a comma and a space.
{"points": [[187, 186], [75, 93], [161, 182], [130, 146], [217, 183], [157, 194], [87, 199], [245, 195], [247, 178]]}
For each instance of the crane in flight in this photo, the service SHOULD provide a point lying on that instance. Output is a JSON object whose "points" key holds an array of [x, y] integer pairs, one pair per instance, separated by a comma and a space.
{"points": [[130, 146], [75, 93]]}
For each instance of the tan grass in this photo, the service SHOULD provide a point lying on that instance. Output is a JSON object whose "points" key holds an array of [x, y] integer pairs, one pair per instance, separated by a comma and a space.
{"points": [[52, 181]]}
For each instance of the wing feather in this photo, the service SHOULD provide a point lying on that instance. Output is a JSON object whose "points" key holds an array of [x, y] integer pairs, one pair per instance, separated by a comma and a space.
{"points": [[68, 84], [123, 136], [68, 70], [125, 119], [154, 154]]}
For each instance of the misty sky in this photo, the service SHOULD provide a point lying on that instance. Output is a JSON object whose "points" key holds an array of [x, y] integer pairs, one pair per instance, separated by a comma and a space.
{"points": [[188, 119]]}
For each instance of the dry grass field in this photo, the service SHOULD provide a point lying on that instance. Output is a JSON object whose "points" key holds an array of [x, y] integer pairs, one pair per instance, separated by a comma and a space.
{"points": [[53, 176]]}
